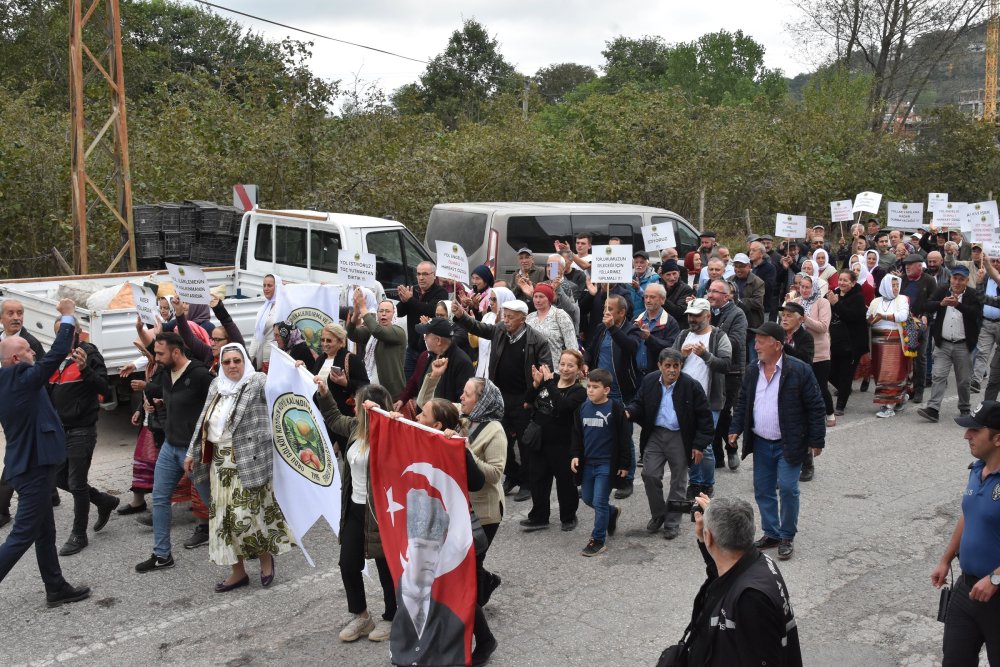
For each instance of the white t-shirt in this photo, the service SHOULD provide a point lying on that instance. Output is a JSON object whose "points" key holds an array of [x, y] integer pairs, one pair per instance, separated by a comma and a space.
{"points": [[694, 366], [358, 461]]}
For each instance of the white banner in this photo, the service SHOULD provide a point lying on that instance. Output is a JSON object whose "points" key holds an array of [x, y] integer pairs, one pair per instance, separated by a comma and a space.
{"points": [[309, 308], [981, 219], [611, 264], [905, 215], [936, 200], [867, 201], [841, 211], [452, 262], [306, 476], [357, 269], [190, 283], [951, 214], [145, 303], [659, 236], [790, 226]]}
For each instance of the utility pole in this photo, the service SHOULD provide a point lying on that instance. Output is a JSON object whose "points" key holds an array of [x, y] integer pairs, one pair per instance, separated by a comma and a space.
{"points": [[524, 98], [98, 130], [992, 44]]}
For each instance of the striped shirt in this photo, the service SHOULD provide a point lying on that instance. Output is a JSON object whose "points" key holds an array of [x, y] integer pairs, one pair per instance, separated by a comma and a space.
{"points": [[766, 421]]}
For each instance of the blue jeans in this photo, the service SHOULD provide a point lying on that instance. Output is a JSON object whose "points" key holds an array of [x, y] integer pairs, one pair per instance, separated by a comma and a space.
{"points": [[703, 474], [770, 471], [169, 470], [596, 491]]}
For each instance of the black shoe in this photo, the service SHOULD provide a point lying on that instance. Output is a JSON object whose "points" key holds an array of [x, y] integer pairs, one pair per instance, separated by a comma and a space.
{"points": [[974, 387], [807, 474], [918, 396], [654, 524], [127, 509], [624, 492], [198, 537], [719, 463], [223, 587], [74, 545], [568, 525], [508, 486], [708, 490], [155, 563], [766, 542], [671, 532], [785, 550], [930, 414], [522, 495], [481, 654], [530, 525], [66, 595], [4, 520], [104, 513], [864, 386], [692, 491], [733, 459], [616, 512]]}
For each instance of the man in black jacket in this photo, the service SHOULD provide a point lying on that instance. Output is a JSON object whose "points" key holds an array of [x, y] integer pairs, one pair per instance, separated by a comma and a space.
{"points": [[798, 341], [185, 387], [728, 317], [76, 389], [918, 286], [676, 421], [958, 317], [458, 367], [414, 302], [677, 290]]}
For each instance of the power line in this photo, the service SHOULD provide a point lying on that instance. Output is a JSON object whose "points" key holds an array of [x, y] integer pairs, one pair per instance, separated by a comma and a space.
{"points": [[308, 32]]}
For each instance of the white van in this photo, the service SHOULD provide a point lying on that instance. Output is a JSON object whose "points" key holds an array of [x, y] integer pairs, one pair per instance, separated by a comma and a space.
{"points": [[492, 232]]}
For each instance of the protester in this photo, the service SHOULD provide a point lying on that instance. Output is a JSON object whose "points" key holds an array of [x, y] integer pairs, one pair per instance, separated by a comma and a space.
{"points": [[450, 366], [643, 274], [733, 321], [550, 321], [848, 335], [798, 342], [890, 364], [232, 448], [676, 289], [227, 332], [749, 291], [693, 265], [657, 328], [263, 336], [817, 316], [381, 343], [289, 339], [415, 302], [498, 297]]}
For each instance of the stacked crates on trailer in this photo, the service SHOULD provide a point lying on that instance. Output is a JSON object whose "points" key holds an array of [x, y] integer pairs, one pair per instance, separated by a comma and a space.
{"points": [[194, 231]]}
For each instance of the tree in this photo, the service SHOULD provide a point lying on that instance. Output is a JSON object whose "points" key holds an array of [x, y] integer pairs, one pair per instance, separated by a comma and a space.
{"points": [[555, 81], [730, 68], [640, 62]]}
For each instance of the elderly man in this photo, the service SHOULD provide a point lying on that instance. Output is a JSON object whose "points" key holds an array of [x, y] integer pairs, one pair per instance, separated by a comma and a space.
{"points": [[936, 268], [450, 367], [571, 274], [742, 614], [715, 270], [750, 290], [415, 302], [677, 291], [798, 342], [527, 276], [35, 449], [642, 275], [958, 316], [515, 348], [762, 267], [706, 247], [781, 415], [388, 338], [730, 319], [918, 287], [673, 412], [657, 328], [974, 265]]}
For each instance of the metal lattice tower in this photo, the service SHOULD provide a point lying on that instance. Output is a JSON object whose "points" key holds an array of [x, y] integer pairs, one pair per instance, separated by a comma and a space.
{"points": [[98, 130], [990, 91]]}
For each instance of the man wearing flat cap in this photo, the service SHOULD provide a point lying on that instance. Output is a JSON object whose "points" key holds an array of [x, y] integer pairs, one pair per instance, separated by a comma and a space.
{"points": [[450, 367], [707, 247], [918, 286]]}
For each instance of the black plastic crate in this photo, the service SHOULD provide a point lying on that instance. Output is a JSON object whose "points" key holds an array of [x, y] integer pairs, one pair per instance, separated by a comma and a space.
{"points": [[148, 245], [218, 243], [229, 220], [187, 217], [146, 219], [207, 215], [149, 264], [170, 217], [176, 245]]}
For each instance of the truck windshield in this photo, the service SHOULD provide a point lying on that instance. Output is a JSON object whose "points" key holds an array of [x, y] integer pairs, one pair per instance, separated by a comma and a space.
{"points": [[464, 228]]}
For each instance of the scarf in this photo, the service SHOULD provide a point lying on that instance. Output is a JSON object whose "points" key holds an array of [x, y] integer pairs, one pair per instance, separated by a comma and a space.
{"points": [[228, 389], [885, 287], [290, 336], [503, 295], [265, 310], [808, 302], [489, 407], [864, 275]]}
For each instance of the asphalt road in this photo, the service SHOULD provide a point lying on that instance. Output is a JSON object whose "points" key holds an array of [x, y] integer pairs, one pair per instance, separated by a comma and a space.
{"points": [[872, 525]]}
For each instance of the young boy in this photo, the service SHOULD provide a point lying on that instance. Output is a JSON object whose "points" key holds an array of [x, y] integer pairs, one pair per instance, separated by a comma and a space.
{"points": [[601, 438]]}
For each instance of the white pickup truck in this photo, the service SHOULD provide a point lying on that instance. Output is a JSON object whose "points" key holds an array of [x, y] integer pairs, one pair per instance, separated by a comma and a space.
{"points": [[299, 246]]}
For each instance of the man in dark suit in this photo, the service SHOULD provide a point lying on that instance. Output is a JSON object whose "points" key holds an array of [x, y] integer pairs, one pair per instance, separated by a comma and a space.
{"points": [[35, 449]]}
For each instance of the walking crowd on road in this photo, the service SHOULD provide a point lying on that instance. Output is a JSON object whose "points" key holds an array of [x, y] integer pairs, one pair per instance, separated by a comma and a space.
{"points": [[717, 357]]}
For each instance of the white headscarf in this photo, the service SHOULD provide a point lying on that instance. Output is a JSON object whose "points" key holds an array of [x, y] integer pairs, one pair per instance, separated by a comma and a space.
{"points": [[826, 259], [503, 295], [877, 257], [223, 384], [885, 287], [371, 303], [815, 269], [265, 310], [864, 275]]}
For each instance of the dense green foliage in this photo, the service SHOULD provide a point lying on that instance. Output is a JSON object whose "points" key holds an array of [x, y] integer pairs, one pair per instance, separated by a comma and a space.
{"points": [[211, 105]]}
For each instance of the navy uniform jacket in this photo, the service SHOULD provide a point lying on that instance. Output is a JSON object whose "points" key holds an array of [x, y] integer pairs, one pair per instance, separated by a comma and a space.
{"points": [[30, 423]]}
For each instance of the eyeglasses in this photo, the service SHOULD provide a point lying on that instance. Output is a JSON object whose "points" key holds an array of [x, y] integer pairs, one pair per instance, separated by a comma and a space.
{"points": [[219, 340], [231, 362], [717, 291]]}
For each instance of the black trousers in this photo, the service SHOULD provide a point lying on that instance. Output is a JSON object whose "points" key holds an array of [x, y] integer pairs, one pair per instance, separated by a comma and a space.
{"points": [[821, 369], [843, 365], [734, 382], [551, 461], [515, 419], [483, 576], [34, 524], [352, 562], [73, 473], [7, 495], [969, 625]]}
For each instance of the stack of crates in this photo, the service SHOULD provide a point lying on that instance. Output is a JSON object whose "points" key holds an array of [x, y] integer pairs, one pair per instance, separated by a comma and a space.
{"points": [[217, 233], [195, 231]]}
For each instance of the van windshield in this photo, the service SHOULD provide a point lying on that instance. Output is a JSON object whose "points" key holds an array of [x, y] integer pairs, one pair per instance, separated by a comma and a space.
{"points": [[464, 228]]}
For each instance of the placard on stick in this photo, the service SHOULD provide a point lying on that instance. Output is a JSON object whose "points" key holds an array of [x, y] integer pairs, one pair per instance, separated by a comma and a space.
{"points": [[452, 262], [936, 200], [659, 236], [981, 219], [190, 283], [841, 211], [145, 303], [611, 264], [905, 215], [867, 201], [357, 269], [951, 214], [790, 226]]}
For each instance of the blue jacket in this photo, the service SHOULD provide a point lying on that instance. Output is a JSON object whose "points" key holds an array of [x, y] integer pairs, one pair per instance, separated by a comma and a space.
{"points": [[30, 422], [803, 416]]}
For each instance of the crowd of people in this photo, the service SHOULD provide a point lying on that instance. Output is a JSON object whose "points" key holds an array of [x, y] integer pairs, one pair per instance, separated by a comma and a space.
{"points": [[715, 356]]}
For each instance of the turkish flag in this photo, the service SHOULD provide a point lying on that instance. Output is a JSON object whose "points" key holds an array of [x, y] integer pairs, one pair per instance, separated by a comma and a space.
{"points": [[420, 490]]}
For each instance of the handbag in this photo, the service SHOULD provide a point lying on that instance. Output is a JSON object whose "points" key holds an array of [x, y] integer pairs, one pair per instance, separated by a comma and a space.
{"points": [[479, 539], [531, 437], [912, 332]]}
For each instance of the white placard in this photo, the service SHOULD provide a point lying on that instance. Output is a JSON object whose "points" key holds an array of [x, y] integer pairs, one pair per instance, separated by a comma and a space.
{"points": [[842, 211], [980, 219], [357, 269], [190, 283], [867, 201], [905, 215], [951, 214], [145, 303], [452, 262], [790, 226], [992, 249], [936, 200], [659, 236], [611, 264]]}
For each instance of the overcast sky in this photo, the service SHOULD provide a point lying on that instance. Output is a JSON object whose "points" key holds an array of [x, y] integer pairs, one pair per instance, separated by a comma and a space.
{"points": [[531, 33]]}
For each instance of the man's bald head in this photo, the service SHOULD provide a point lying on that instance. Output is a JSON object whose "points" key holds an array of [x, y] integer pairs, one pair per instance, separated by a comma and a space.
{"points": [[15, 350]]}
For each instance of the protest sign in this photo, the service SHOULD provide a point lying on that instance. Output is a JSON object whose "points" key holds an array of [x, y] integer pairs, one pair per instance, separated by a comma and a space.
{"points": [[611, 264], [357, 269], [790, 226], [659, 236], [190, 283], [980, 219], [145, 303], [950, 214], [903, 215], [936, 200], [840, 211], [452, 262], [867, 201]]}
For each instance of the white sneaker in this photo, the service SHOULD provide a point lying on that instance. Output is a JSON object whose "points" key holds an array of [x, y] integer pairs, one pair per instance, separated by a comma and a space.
{"points": [[357, 628], [381, 631], [886, 411]]}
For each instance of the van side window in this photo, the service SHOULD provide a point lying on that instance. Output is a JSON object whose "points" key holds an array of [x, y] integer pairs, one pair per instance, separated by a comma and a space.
{"points": [[324, 249], [537, 231], [389, 267], [262, 247], [290, 246], [685, 238], [603, 227], [413, 253]]}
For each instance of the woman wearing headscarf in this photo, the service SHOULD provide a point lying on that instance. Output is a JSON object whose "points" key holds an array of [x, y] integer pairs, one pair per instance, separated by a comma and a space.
{"points": [[289, 339], [232, 445], [848, 335], [263, 335], [478, 303], [692, 263], [890, 366], [811, 269], [866, 281], [359, 536], [381, 342], [872, 259], [817, 322], [482, 409], [826, 270], [498, 297]]}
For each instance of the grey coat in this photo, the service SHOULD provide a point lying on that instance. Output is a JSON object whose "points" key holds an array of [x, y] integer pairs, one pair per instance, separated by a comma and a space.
{"points": [[253, 441]]}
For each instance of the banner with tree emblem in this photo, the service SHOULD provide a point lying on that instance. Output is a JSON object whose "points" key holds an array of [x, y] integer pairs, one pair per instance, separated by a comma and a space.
{"points": [[309, 308], [306, 476], [420, 490]]}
